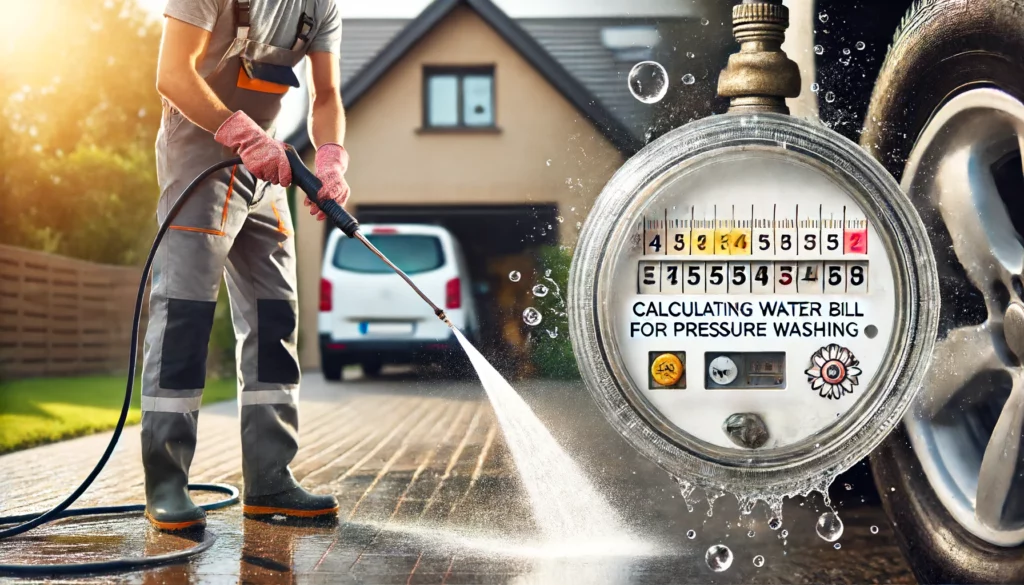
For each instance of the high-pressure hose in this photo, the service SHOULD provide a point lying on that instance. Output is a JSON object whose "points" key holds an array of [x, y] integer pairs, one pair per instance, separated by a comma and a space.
{"points": [[344, 221]]}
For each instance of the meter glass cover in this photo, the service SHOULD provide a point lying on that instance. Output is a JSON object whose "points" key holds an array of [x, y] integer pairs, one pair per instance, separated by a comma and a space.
{"points": [[788, 271]]}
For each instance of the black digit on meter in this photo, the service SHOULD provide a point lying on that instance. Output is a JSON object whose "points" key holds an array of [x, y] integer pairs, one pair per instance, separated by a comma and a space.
{"points": [[715, 276], [832, 242], [656, 243], [835, 275], [680, 244], [856, 275], [762, 275], [693, 275]]}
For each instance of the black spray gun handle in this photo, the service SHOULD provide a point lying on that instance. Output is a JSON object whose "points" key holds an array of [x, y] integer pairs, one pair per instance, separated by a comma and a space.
{"points": [[307, 181]]}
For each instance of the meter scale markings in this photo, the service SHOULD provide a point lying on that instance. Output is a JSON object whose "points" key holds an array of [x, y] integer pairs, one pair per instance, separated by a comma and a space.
{"points": [[805, 250]]}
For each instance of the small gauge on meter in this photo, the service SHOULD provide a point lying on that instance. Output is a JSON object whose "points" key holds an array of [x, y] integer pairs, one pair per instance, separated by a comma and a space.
{"points": [[785, 269]]}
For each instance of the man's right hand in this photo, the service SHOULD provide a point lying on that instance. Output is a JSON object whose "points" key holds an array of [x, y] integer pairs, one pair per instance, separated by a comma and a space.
{"points": [[264, 156]]}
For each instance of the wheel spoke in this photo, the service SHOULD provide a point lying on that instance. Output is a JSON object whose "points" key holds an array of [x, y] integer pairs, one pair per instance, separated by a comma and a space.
{"points": [[983, 235], [1001, 461], [962, 355]]}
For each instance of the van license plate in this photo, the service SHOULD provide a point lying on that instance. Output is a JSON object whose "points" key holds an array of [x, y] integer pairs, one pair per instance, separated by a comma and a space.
{"points": [[387, 328]]}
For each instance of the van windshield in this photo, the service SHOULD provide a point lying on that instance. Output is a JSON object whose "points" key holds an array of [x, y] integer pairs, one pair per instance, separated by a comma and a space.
{"points": [[413, 254]]}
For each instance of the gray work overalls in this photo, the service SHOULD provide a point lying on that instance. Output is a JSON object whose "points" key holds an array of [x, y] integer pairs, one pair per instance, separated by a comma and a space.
{"points": [[242, 228]]}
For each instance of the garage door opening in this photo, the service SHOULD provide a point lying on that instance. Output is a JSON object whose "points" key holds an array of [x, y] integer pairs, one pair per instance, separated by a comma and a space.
{"points": [[496, 240]]}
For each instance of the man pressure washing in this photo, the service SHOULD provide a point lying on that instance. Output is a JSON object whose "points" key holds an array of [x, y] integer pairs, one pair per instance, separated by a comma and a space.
{"points": [[224, 67]]}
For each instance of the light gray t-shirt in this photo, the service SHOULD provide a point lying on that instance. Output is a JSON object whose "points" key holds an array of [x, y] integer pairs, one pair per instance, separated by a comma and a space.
{"points": [[272, 22]]}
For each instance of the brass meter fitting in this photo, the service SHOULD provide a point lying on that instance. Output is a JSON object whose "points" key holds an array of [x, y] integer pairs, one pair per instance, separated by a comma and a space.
{"points": [[760, 76]]}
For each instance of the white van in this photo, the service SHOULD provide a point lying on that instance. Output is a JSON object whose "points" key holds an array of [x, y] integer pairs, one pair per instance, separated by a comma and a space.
{"points": [[370, 316]]}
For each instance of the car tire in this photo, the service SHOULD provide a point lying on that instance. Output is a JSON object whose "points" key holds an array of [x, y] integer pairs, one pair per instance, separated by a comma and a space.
{"points": [[942, 49], [371, 369], [332, 369]]}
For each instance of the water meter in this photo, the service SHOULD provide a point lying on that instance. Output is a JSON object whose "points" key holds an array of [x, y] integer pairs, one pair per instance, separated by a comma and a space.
{"points": [[753, 299]]}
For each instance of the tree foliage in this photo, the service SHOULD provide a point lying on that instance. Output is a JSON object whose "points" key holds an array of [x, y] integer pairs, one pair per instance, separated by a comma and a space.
{"points": [[79, 119]]}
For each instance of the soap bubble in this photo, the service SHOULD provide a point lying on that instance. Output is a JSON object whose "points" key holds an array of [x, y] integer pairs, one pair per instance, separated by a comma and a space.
{"points": [[819, 50], [690, 55], [837, 546], [860, 45], [815, 87], [823, 17], [540, 290], [846, 50], [549, 162], [547, 272], [784, 533], [553, 333], [704, 22], [830, 97], [648, 82], [691, 534], [718, 557], [874, 530], [758, 561], [829, 527], [688, 79], [532, 317], [774, 523], [750, 534], [514, 276]]}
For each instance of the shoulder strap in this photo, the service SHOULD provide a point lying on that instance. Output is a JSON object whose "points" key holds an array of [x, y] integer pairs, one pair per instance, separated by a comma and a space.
{"points": [[241, 9], [306, 22]]}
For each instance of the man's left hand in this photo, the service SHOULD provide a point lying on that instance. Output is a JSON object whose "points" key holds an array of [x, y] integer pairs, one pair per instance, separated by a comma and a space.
{"points": [[331, 164]]}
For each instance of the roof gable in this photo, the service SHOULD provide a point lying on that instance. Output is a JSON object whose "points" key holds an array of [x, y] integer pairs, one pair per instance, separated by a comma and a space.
{"points": [[523, 43]]}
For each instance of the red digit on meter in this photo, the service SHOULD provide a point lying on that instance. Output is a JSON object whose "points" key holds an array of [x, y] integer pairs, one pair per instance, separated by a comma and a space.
{"points": [[855, 241]]}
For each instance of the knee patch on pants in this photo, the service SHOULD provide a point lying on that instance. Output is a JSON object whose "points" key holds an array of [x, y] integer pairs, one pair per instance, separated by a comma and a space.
{"points": [[277, 336], [185, 344]]}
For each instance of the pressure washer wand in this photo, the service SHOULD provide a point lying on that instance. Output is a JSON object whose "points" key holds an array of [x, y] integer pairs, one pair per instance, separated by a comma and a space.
{"points": [[344, 221]]}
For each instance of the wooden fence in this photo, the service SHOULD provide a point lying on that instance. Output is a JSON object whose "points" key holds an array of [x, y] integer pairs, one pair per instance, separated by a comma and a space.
{"points": [[60, 316]]}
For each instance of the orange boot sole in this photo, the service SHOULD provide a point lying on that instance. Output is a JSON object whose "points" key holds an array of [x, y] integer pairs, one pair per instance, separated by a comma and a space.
{"points": [[271, 511], [176, 526]]}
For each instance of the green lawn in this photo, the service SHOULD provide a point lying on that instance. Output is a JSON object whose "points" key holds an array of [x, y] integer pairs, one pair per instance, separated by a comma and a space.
{"points": [[43, 410]]}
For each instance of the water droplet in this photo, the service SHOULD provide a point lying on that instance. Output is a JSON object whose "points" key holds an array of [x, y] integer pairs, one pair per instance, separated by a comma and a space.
{"points": [[819, 50], [815, 87], [830, 97], [718, 557], [750, 534], [579, 224], [704, 22], [532, 317], [892, 489], [688, 79], [784, 533], [758, 561], [549, 162], [690, 55], [553, 333], [860, 45], [874, 530], [514, 276], [648, 82], [829, 526], [540, 290], [846, 50], [691, 534], [822, 17], [837, 546], [847, 486], [774, 523]]}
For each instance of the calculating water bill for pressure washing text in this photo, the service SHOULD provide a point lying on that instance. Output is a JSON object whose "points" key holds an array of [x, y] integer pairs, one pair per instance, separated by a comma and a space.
{"points": [[794, 249]]}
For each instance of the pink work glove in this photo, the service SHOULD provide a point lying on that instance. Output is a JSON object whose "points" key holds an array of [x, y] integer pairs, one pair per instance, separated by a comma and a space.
{"points": [[331, 164], [262, 155]]}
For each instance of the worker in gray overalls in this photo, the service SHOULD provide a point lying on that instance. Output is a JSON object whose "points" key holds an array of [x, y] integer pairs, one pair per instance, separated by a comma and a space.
{"points": [[224, 67]]}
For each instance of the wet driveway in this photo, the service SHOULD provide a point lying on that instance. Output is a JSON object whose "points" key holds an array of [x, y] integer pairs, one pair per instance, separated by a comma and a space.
{"points": [[429, 494]]}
